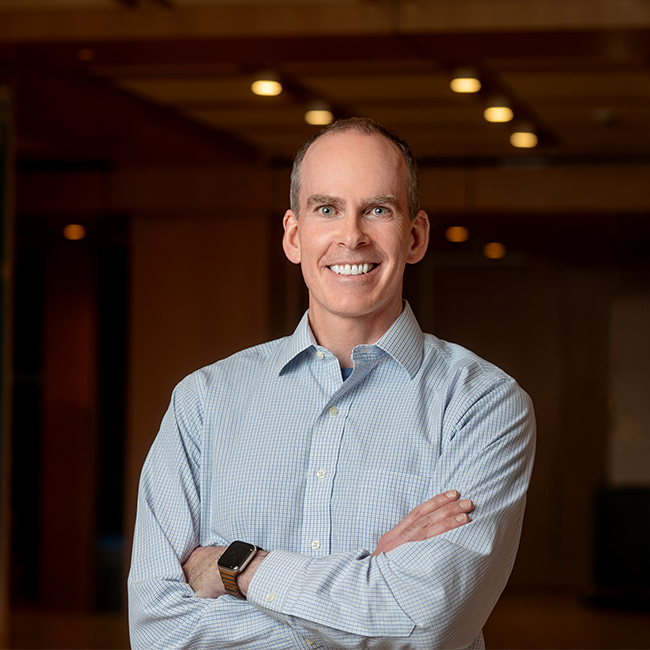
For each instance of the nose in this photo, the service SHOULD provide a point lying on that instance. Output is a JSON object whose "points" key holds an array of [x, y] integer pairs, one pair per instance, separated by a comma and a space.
{"points": [[352, 233]]}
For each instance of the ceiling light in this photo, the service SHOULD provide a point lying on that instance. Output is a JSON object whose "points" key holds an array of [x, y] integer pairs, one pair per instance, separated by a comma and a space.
{"points": [[498, 110], [524, 137], [319, 114], [267, 84], [74, 231], [465, 81], [494, 250], [457, 234]]}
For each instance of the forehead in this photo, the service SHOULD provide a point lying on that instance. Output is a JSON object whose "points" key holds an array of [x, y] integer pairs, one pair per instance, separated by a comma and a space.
{"points": [[353, 163]]}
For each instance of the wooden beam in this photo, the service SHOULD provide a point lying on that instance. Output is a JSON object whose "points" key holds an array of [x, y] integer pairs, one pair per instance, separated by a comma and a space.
{"points": [[324, 18], [131, 4], [514, 15]]}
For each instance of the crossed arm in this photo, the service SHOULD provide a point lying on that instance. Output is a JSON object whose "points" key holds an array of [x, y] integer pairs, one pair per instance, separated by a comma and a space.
{"points": [[438, 515], [434, 592]]}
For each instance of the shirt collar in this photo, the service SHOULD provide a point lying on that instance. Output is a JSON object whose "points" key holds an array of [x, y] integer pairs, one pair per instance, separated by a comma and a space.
{"points": [[404, 342], [301, 339]]}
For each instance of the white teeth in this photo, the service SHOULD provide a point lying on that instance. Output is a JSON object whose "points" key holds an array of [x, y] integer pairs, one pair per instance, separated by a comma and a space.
{"points": [[354, 269]]}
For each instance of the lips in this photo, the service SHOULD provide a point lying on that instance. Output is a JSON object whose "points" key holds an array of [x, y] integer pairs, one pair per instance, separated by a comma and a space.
{"points": [[352, 269]]}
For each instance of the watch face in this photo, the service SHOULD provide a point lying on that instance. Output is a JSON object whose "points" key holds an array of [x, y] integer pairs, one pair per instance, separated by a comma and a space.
{"points": [[236, 554]]}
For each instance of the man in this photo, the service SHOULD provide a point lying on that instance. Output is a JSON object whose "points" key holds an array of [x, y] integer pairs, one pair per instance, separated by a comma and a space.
{"points": [[350, 452]]}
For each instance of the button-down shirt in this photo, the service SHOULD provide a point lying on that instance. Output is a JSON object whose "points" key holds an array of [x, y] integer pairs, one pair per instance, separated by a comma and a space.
{"points": [[272, 447]]}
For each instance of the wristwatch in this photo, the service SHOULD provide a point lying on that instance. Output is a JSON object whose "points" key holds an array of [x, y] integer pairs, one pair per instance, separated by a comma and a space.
{"points": [[232, 562]]}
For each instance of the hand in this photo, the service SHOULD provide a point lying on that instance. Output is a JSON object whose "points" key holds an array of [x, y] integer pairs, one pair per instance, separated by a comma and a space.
{"points": [[202, 573], [433, 517]]}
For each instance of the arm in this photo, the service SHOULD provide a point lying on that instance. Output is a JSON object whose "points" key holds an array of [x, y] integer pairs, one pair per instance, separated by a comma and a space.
{"points": [[174, 584], [164, 612], [351, 599], [438, 515], [426, 594]]}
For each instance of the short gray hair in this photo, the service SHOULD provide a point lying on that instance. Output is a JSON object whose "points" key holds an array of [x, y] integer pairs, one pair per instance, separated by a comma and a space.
{"points": [[367, 126]]}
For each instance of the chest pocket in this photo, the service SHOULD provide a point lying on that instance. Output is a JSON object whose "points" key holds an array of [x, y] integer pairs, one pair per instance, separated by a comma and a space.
{"points": [[384, 499]]}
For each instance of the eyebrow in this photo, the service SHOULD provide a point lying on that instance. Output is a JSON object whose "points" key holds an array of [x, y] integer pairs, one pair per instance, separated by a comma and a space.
{"points": [[336, 201], [323, 199], [384, 198]]}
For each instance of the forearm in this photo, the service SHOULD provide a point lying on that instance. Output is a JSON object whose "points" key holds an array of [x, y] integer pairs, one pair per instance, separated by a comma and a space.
{"points": [[165, 613], [431, 594], [178, 621]]}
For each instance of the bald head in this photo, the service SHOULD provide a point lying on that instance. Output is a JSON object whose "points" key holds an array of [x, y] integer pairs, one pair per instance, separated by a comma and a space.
{"points": [[370, 128]]}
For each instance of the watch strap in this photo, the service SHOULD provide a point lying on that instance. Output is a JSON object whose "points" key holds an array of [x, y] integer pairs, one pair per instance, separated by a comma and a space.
{"points": [[229, 576], [229, 579]]}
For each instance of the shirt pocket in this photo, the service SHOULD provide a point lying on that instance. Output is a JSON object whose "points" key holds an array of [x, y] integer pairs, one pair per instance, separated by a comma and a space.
{"points": [[385, 498]]}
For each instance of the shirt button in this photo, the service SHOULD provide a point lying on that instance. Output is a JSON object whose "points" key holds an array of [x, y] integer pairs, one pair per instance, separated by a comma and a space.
{"points": [[270, 598], [320, 355], [321, 474], [334, 411], [315, 544]]}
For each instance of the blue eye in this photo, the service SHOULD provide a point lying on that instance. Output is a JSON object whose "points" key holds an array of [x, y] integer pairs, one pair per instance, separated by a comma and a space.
{"points": [[326, 211], [379, 211]]}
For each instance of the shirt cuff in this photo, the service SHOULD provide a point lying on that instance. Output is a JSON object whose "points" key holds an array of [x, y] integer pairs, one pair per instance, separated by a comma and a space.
{"points": [[270, 587]]}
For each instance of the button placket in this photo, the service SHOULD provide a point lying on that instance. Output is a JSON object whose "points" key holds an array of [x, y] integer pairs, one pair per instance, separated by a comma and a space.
{"points": [[326, 440]]}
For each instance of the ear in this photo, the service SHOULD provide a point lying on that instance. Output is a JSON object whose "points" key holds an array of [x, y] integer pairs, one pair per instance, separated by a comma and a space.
{"points": [[291, 238], [420, 233]]}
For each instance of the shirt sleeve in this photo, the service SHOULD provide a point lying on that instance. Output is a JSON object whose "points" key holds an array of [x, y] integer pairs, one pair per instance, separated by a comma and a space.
{"points": [[164, 612], [436, 593]]}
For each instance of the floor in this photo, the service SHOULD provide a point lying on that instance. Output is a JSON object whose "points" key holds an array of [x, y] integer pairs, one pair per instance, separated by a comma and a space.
{"points": [[565, 622]]}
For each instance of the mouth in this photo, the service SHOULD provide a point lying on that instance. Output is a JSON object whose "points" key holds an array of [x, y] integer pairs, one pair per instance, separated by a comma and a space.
{"points": [[351, 269]]}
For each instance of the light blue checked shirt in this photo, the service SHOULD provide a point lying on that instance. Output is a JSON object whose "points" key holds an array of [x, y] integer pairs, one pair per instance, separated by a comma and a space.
{"points": [[272, 447]]}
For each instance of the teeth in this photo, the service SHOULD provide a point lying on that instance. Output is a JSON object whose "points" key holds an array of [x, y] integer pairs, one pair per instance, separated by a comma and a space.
{"points": [[354, 269]]}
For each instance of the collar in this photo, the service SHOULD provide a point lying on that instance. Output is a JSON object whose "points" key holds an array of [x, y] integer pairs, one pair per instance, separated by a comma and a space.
{"points": [[302, 339], [403, 341]]}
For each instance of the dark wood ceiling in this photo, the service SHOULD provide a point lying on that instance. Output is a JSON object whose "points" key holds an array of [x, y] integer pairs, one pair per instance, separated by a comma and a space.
{"points": [[125, 81]]}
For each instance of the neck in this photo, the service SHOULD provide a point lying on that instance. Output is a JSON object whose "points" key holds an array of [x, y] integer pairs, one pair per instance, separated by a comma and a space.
{"points": [[341, 334]]}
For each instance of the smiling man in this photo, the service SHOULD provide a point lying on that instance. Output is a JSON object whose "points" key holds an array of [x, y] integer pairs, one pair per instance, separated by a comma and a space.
{"points": [[352, 235], [315, 491]]}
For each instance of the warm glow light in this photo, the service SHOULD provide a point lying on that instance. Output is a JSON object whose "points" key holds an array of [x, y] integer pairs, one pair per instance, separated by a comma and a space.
{"points": [[523, 139], [465, 80], [498, 114], [465, 85], [74, 231], [266, 87], [457, 234], [319, 117], [494, 250]]}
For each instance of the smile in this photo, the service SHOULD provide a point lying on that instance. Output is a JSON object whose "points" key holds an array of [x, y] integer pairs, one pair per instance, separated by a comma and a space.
{"points": [[352, 269]]}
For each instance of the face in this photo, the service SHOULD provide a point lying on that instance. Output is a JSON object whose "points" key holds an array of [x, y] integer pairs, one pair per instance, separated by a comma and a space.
{"points": [[353, 236]]}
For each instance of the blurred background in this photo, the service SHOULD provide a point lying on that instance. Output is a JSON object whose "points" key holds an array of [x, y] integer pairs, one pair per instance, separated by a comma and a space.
{"points": [[142, 186]]}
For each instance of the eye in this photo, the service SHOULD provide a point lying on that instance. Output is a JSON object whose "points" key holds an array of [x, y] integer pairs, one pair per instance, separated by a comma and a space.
{"points": [[379, 211], [326, 210]]}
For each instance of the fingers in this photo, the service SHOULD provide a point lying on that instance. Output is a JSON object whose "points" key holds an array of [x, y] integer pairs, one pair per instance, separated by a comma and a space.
{"points": [[438, 515]]}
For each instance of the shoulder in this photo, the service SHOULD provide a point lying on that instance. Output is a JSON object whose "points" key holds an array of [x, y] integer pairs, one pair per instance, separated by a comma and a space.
{"points": [[223, 385], [463, 379], [452, 360], [236, 372]]}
